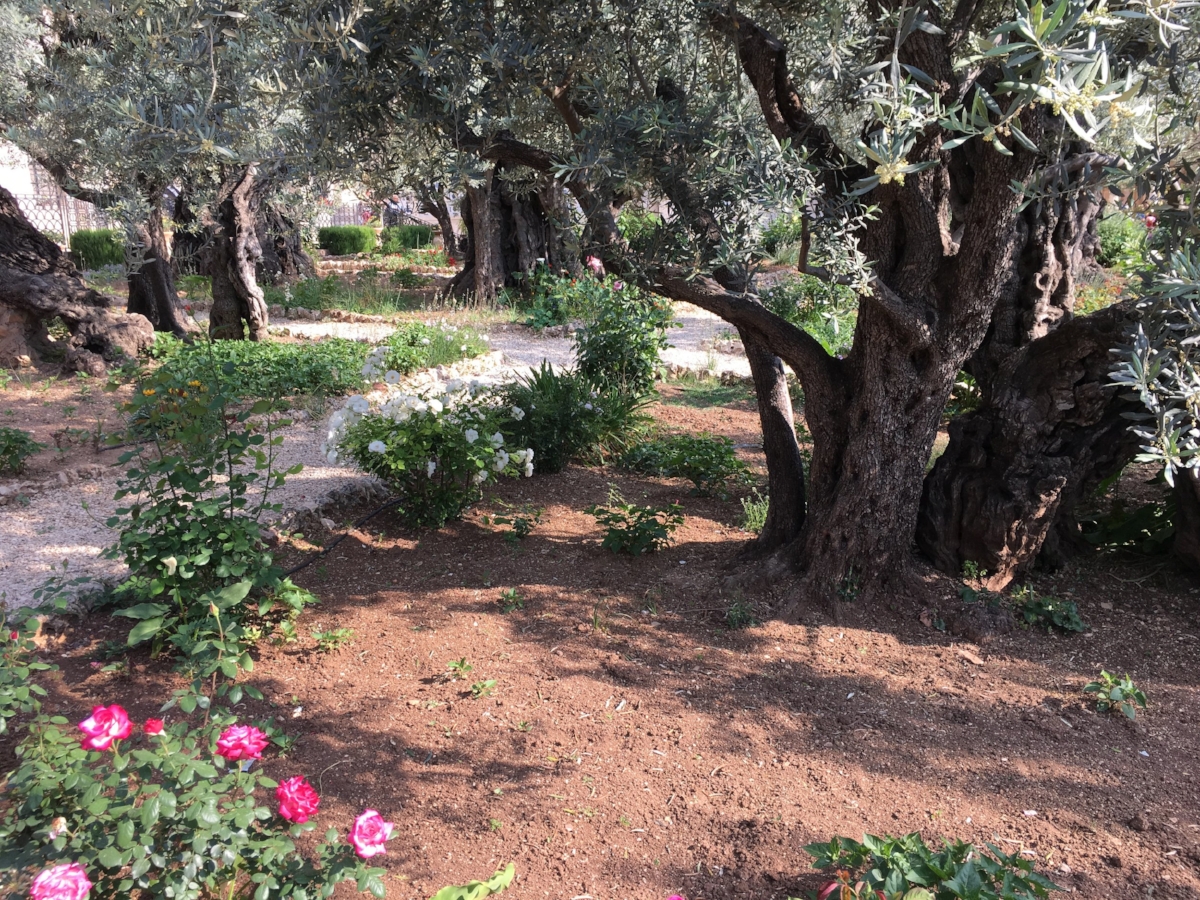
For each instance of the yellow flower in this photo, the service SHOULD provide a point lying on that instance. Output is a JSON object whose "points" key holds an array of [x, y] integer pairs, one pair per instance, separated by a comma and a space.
{"points": [[193, 383], [891, 171], [149, 392]]}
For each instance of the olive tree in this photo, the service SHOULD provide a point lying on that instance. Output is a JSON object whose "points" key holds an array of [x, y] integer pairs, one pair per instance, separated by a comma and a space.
{"points": [[945, 160]]}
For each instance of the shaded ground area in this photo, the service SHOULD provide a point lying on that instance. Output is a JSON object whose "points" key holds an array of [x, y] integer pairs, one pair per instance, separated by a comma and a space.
{"points": [[635, 747]]}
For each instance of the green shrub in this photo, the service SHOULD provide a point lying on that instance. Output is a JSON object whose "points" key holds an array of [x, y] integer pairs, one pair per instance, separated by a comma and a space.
{"points": [[96, 248], [1048, 612], [625, 333], [266, 369], [564, 416], [633, 529], [343, 240], [417, 345], [16, 446], [826, 311], [18, 662], [1122, 242], [640, 228], [435, 452], [708, 461], [197, 481], [904, 867], [782, 232], [405, 237]]}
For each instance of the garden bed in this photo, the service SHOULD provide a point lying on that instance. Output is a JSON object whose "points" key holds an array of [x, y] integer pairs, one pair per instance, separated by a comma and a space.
{"points": [[634, 746]]}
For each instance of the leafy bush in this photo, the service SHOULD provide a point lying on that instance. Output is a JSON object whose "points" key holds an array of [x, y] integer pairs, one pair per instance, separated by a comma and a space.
{"points": [[161, 814], [435, 452], [1122, 242], [16, 446], [708, 461], [1049, 612], [625, 333], [904, 868], [826, 311], [754, 512], [417, 345], [556, 299], [640, 227], [565, 416], [96, 248], [18, 662], [265, 369], [782, 232], [344, 240], [190, 534], [1112, 694], [405, 237], [633, 529]]}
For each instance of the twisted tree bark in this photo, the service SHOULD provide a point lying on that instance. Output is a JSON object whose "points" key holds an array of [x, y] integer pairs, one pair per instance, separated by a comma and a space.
{"points": [[152, 291], [239, 311], [38, 283]]}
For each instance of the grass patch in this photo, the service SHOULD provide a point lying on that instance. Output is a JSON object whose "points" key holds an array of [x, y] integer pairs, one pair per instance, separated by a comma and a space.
{"points": [[267, 369], [705, 391]]}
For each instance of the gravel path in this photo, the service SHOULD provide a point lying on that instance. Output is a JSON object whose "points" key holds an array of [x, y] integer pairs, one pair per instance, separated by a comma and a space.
{"points": [[62, 519]]}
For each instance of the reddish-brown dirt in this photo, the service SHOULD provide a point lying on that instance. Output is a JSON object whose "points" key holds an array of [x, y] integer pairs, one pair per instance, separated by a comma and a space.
{"points": [[635, 747]]}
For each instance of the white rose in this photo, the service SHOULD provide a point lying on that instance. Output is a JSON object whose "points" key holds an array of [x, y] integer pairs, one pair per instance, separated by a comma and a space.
{"points": [[497, 440], [435, 407], [377, 447], [518, 413], [392, 377], [471, 435], [425, 341], [500, 461], [529, 469], [480, 476]]}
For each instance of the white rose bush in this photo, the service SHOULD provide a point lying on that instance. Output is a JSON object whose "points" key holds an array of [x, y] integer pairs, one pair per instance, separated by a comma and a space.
{"points": [[437, 449]]}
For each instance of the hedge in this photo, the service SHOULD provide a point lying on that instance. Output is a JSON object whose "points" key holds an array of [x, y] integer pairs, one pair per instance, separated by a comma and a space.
{"points": [[97, 248], [343, 240], [405, 237]]}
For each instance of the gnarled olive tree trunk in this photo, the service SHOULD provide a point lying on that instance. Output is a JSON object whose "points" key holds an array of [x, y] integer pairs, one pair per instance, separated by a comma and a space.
{"points": [[152, 291], [508, 232], [283, 259], [39, 283], [1050, 425], [238, 311], [433, 203]]}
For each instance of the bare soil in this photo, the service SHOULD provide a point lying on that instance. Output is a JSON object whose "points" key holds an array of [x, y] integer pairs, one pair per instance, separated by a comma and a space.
{"points": [[635, 747]]}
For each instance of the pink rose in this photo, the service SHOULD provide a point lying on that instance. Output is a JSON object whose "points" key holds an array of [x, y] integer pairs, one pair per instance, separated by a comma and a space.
{"points": [[68, 881], [105, 725], [595, 265], [241, 742], [297, 800], [369, 834], [153, 726], [14, 636], [617, 286]]}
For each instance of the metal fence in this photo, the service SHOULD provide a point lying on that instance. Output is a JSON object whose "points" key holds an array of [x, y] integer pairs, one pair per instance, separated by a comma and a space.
{"points": [[60, 214], [357, 213]]}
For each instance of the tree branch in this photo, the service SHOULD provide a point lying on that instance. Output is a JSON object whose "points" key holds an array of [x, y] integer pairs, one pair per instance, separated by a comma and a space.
{"points": [[73, 188]]}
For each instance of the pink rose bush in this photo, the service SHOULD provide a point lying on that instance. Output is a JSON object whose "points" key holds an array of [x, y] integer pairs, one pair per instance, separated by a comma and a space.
{"points": [[297, 799], [153, 726], [242, 742], [105, 725], [370, 834], [68, 881]]}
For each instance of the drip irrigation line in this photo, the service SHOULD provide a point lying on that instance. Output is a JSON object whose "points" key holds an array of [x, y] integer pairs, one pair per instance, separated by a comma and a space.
{"points": [[312, 559]]}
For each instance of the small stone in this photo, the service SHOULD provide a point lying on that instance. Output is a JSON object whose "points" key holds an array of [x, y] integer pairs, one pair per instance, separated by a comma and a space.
{"points": [[1064, 869], [1139, 823], [328, 523]]}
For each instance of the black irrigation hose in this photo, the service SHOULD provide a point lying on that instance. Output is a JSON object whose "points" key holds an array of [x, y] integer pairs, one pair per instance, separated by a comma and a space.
{"points": [[312, 559]]}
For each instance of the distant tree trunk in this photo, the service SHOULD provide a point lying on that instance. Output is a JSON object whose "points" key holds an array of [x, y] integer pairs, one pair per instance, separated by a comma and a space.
{"points": [[191, 243], [238, 310], [785, 467], [152, 291], [38, 283], [508, 233], [283, 258], [434, 204]]}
